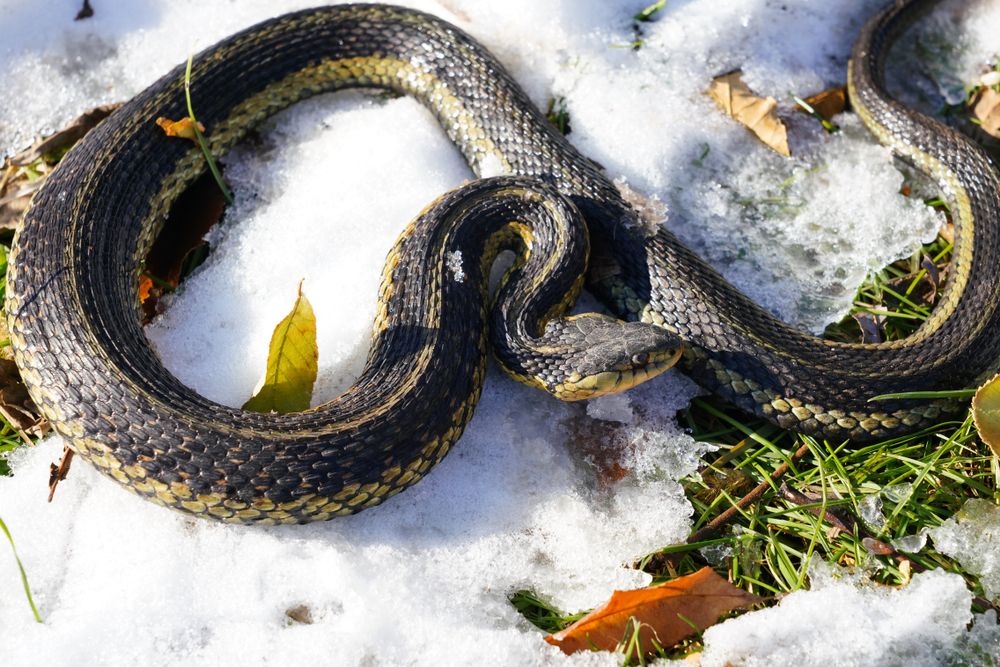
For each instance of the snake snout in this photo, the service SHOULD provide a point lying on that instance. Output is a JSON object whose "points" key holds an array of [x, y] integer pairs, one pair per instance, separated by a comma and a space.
{"points": [[617, 356]]}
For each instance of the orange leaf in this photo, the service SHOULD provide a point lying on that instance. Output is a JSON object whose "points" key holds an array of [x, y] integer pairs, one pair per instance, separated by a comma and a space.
{"points": [[667, 613], [828, 103], [756, 113], [182, 128]]}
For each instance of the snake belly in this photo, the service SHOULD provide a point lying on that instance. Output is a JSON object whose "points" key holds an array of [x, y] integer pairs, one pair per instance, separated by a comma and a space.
{"points": [[71, 296]]}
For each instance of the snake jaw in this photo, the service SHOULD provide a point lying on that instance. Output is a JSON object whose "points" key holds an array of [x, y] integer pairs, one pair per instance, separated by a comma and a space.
{"points": [[578, 387]]}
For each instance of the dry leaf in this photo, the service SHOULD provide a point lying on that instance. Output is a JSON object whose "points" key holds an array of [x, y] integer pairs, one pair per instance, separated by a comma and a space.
{"points": [[192, 215], [871, 330], [16, 406], [986, 413], [986, 108], [291, 363], [85, 12], [57, 473], [66, 137], [667, 613], [756, 113], [828, 103], [183, 128]]}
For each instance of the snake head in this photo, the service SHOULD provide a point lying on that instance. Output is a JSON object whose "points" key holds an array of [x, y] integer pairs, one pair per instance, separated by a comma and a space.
{"points": [[602, 355]]}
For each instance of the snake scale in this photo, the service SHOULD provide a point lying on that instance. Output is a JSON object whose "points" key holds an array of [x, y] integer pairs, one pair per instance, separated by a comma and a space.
{"points": [[71, 296]]}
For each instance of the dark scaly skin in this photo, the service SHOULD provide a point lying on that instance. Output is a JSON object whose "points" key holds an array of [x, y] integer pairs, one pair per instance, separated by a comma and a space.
{"points": [[71, 290]]}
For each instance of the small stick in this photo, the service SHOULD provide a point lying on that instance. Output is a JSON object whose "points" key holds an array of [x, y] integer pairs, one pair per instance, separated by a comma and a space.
{"points": [[57, 473], [659, 561]]}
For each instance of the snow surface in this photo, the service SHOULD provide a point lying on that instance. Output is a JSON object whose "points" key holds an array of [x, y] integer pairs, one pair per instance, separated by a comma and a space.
{"points": [[533, 495], [972, 537]]}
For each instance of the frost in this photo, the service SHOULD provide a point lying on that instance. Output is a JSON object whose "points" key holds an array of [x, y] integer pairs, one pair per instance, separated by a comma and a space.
{"points": [[897, 493], [848, 621], [453, 261], [911, 544], [870, 509], [972, 537], [613, 408]]}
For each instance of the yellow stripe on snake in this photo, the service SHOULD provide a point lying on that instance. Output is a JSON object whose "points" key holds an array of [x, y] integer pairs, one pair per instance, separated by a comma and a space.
{"points": [[75, 330]]}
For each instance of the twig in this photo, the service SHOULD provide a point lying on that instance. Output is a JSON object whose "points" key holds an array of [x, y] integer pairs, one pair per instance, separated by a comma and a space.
{"points": [[57, 473], [659, 561]]}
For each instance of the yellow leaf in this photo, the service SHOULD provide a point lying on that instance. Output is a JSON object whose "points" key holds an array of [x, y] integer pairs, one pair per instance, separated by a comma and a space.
{"points": [[291, 363], [986, 413], [666, 613], [756, 113], [182, 128], [987, 110]]}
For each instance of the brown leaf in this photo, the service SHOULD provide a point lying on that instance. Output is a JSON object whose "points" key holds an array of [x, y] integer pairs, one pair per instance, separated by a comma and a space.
{"points": [[667, 613], [986, 108], [57, 473], [85, 12], [301, 614], [66, 137], [756, 113], [195, 212], [870, 325], [12, 209], [828, 103], [877, 547], [16, 406], [182, 128]]}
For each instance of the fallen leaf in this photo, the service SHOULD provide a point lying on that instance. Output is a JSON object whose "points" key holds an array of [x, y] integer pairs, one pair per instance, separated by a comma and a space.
{"points": [[291, 363], [57, 473], [828, 103], [183, 128], [756, 113], [667, 613], [85, 12], [16, 406], [877, 547], [301, 614], [986, 413], [12, 210], [986, 108], [66, 137], [180, 242], [870, 327]]}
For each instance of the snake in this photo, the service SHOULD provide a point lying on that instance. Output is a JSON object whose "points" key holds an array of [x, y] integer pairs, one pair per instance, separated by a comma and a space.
{"points": [[74, 268]]}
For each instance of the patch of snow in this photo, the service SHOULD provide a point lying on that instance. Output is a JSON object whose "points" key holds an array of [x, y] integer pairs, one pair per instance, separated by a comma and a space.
{"points": [[612, 408], [524, 499], [972, 537], [850, 621], [454, 264]]}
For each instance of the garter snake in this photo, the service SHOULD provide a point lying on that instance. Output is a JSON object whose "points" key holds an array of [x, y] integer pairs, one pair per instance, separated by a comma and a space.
{"points": [[71, 296]]}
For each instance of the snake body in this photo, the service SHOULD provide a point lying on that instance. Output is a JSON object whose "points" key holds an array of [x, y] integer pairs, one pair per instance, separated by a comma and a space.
{"points": [[71, 300]]}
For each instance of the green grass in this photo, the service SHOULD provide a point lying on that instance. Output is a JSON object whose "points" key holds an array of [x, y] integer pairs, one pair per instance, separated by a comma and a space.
{"points": [[922, 479]]}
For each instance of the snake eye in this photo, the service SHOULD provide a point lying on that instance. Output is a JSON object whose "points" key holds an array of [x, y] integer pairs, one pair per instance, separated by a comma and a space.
{"points": [[640, 359]]}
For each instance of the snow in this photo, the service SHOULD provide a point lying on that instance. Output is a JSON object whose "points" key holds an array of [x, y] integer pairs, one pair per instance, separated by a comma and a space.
{"points": [[537, 494], [847, 620], [972, 537]]}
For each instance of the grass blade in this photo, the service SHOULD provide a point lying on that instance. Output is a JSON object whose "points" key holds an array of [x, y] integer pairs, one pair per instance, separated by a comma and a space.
{"points": [[24, 576]]}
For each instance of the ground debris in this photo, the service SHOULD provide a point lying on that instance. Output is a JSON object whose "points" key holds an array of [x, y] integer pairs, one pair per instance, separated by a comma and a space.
{"points": [[758, 114]]}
